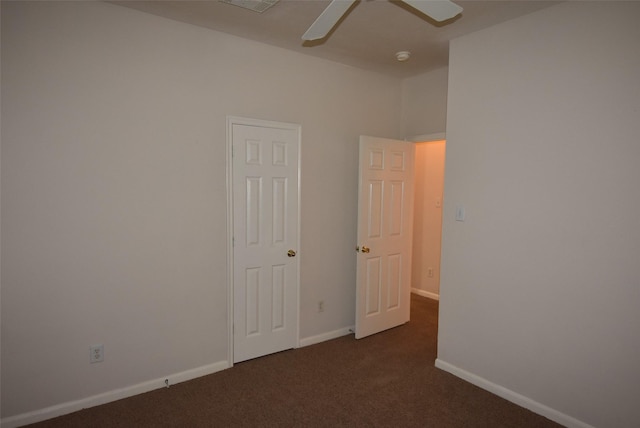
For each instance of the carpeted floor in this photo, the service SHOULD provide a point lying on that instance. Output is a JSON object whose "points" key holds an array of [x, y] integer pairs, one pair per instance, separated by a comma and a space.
{"points": [[385, 380]]}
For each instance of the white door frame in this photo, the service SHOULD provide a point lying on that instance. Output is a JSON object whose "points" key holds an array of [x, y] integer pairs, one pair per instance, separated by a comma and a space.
{"points": [[235, 120], [427, 138]]}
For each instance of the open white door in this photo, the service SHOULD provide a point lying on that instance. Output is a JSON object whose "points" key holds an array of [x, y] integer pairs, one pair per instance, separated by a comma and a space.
{"points": [[385, 223], [265, 237]]}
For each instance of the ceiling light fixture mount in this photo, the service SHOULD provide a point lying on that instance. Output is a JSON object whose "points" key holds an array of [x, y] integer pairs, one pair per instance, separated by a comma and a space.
{"points": [[403, 55]]}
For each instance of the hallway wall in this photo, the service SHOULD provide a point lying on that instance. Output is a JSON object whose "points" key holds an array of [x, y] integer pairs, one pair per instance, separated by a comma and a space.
{"points": [[427, 224]]}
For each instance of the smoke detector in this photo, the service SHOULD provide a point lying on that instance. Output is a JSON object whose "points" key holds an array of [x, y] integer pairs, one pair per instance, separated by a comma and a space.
{"points": [[403, 55], [254, 5]]}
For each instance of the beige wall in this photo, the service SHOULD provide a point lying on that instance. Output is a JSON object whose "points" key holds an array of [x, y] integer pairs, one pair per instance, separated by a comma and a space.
{"points": [[540, 285], [424, 108], [114, 194], [424, 103], [113, 199], [427, 219]]}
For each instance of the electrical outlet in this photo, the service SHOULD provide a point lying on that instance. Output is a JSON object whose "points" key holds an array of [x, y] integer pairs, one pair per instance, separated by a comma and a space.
{"points": [[430, 272], [320, 305], [96, 354]]}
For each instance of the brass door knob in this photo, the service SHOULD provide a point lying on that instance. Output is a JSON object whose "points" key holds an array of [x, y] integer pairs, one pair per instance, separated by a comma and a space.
{"points": [[365, 249], [291, 253]]}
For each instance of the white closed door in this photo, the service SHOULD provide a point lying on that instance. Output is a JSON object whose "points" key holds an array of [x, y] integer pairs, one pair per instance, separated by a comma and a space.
{"points": [[265, 238], [385, 227]]}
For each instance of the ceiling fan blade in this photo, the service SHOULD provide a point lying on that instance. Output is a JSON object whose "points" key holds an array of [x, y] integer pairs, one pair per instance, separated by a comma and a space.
{"points": [[439, 10], [327, 19]]}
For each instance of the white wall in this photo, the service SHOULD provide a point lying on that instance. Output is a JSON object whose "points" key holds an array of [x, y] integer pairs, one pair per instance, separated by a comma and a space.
{"points": [[541, 284], [114, 194], [424, 112], [424, 103], [427, 219]]}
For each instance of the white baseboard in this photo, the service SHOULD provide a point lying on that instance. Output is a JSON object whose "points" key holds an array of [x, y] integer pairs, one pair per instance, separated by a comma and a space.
{"points": [[514, 397], [326, 336], [107, 397], [423, 293]]}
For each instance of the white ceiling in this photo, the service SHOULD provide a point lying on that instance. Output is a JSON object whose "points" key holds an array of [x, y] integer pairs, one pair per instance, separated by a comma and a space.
{"points": [[367, 37]]}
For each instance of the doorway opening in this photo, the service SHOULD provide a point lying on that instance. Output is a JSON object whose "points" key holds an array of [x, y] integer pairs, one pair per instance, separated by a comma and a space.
{"points": [[427, 223]]}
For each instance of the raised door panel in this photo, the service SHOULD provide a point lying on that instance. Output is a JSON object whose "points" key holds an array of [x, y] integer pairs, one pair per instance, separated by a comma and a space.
{"points": [[373, 285], [375, 209]]}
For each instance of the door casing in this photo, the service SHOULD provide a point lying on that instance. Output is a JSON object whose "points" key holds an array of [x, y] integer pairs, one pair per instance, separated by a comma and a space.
{"points": [[231, 121]]}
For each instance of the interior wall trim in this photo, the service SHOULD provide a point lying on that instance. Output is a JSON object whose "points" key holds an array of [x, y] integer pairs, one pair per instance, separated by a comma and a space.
{"points": [[514, 397], [426, 294], [110, 396], [425, 138], [312, 340]]}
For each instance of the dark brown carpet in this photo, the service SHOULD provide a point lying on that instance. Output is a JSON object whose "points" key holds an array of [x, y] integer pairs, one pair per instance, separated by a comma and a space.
{"points": [[386, 380]]}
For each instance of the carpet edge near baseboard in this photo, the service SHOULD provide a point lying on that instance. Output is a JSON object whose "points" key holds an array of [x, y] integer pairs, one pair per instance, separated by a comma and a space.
{"points": [[312, 340], [512, 396], [110, 396]]}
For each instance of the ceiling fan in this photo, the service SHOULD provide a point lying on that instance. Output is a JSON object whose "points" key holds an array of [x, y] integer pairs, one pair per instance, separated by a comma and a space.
{"points": [[439, 10]]}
